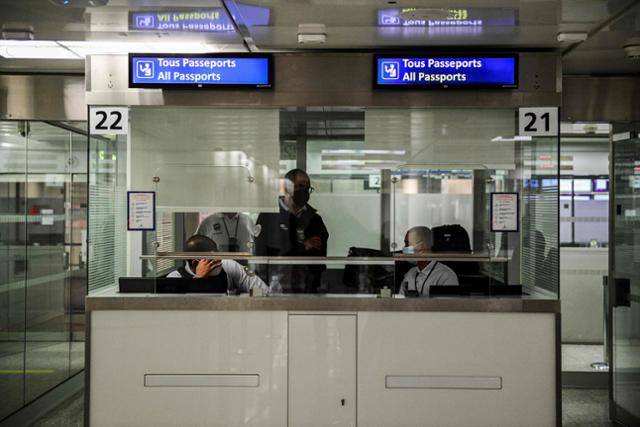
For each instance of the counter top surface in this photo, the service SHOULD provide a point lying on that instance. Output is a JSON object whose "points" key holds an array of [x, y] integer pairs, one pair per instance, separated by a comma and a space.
{"points": [[306, 302]]}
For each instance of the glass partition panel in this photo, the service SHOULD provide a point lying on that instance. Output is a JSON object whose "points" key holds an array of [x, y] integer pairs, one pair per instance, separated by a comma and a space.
{"points": [[107, 243], [540, 214], [340, 185], [48, 274], [77, 248], [13, 179], [207, 159]]}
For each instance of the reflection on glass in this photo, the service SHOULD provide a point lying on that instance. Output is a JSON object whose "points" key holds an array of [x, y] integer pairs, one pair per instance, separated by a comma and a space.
{"points": [[213, 20], [43, 282], [48, 278], [464, 17], [340, 224], [13, 158]]}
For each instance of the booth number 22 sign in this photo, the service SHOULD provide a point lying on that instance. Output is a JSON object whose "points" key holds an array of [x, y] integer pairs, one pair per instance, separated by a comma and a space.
{"points": [[539, 121], [109, 120]]}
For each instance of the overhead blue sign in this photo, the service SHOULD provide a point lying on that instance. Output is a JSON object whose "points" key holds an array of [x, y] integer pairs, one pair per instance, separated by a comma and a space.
{"points": [[214, 20], [197, 71], [445, 72]]}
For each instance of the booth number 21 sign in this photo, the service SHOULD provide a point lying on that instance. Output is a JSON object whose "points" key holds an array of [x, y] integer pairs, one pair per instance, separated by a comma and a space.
{"points": [[538, 121]]}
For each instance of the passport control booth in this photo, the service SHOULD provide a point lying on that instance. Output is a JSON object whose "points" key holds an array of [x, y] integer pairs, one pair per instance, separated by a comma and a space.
{"points": [[323, 239]]}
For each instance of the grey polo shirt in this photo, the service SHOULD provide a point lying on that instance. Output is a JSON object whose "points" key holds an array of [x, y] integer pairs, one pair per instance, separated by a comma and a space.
{"points": [[434, 274]]}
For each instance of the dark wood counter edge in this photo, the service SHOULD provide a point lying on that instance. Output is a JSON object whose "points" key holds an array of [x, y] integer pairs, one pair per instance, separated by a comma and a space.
{"points": [[182, 302]]}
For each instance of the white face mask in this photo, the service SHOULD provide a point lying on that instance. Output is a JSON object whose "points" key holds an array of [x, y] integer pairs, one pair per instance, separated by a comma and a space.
{"points": [[409, 250]]}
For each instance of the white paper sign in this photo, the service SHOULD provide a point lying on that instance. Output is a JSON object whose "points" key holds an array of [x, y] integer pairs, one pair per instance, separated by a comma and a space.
{"points": [[542, 121], [109, 120], [375, 180], [141, 210], [46, 217], [504, 211]]}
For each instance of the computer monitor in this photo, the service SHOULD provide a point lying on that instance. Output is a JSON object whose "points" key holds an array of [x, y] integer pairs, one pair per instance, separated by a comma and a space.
{"points": [[601, 185], [582, 186], [171, 285]]}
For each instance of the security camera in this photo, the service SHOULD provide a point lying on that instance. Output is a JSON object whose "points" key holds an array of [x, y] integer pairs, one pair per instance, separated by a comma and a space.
{"points": [[632, 48]]}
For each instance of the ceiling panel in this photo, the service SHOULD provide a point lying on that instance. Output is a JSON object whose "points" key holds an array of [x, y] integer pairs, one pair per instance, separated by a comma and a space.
{"points": [[272, 25], [603, 53]]}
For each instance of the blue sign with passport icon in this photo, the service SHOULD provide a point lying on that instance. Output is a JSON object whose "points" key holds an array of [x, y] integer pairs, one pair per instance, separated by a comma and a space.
{"points": [[464, 71], [200, 70]]}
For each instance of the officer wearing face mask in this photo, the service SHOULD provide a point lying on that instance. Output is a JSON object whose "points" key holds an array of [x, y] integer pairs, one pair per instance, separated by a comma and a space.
{"points": [[418, 280], [225, 273], [296, 230]]}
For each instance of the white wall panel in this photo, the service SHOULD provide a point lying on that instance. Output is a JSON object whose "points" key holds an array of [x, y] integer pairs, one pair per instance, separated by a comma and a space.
{"points": [[517, 347], [127, 345], [322, 370]]}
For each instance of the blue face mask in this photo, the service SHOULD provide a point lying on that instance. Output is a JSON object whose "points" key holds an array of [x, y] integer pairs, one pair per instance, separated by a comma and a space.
{"points": [[408, 250]]}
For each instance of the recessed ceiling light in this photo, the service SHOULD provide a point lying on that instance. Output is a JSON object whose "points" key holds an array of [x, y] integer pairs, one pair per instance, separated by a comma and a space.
{"points": [[11, 31], [312, 34], [574, 37], [632, 48]]}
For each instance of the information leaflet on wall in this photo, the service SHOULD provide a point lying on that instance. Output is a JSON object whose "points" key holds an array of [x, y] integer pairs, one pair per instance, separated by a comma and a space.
{"points": [[199, 71], [504, 211], [141, 210], [445, 72]]}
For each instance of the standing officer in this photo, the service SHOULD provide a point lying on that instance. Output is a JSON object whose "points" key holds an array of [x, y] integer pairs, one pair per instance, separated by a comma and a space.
{"points": [[296, 230]]}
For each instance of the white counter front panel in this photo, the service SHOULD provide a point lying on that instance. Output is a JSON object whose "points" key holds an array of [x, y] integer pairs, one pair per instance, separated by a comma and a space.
{"points": [[322, 370], [456, 369], [202, 368]]}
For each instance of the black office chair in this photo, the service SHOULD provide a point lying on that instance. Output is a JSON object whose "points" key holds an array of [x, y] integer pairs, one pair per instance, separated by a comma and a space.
{"points": [[454, 238]]}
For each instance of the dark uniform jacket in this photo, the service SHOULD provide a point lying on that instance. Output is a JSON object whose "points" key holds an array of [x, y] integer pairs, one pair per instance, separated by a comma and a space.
{"points": [[283, 234]]}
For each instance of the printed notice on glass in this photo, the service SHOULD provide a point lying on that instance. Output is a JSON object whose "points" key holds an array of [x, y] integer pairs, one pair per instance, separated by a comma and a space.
{"points": [[504, 211], [141, 210]]}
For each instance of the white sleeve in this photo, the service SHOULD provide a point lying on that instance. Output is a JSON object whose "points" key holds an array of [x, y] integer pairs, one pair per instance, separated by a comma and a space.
{"points": [[173, 274], [239, 277], [450, 278], [405, 280]]}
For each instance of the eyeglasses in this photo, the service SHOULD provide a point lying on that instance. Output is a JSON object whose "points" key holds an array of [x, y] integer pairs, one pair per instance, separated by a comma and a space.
{"points": [[301, 187]]}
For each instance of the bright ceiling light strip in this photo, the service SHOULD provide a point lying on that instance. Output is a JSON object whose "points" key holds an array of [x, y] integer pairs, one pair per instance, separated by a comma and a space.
{"points": [[363, 151], [35, 49], [48, 49], [511, 139]]}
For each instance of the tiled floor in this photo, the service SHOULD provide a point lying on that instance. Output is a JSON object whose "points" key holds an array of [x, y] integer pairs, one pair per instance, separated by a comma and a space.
{"points": [[69, 414], [581, 408], [579, 357], [585, 408], [24, 376]]}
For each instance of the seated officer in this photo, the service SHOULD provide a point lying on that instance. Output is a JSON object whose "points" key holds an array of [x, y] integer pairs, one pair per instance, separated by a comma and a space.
{"points": [[228, 272], [420, 278]]}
